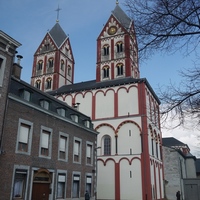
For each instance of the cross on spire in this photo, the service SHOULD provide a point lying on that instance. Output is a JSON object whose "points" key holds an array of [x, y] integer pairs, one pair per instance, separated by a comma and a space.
{"points": [[57, 10], [117, 2]]}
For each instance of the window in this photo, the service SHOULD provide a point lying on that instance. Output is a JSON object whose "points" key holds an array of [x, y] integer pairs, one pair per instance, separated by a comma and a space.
{"points": [[63, 146], [119, 47], [44, 104], [120, 70], [50, 63], [74, 118], [107, 145], [61, 111], [87, 123], [38, 84], [76, 186], [48, 83], [106, 50], [24, 137], [69, 71], [89, 154], [77, 150], [2, 68], [89, 184], [61, 186], [62, 64], [26, 95], [45, 142], [106, 72], [20, 184], [40, 65]]}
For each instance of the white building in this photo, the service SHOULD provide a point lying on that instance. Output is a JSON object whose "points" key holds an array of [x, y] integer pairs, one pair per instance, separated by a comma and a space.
{"points": [[122, 106]]}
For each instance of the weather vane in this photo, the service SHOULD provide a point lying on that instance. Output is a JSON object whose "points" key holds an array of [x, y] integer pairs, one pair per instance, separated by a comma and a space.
{"points": [[57, 10]]}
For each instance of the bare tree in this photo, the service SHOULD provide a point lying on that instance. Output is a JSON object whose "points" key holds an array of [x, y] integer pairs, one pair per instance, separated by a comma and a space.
{"points": [[168, 26]]}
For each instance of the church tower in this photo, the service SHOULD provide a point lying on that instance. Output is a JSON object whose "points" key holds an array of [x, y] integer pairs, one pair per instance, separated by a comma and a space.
{"points": [[53, 64], [117, 48]]}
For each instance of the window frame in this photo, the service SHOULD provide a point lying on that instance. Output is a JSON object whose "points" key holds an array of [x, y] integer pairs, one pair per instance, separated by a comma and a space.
{"points": [[45, 104], [89, 160], [49, 131], [65, 136], [20, 169], [106, 146], [61, 173], [29, 140], [77, 153], [2, 69], [77, 179]]}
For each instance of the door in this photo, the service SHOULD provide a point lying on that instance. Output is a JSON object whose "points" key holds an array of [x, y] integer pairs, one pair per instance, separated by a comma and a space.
{"points": [[40, 191]]}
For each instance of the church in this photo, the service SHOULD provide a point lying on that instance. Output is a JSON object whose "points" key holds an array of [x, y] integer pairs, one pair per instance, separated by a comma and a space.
{"points": [[122, 106]]}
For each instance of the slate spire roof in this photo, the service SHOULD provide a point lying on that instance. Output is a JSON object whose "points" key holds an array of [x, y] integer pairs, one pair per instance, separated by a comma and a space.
{"points": [[121, 16], [57, 34]]}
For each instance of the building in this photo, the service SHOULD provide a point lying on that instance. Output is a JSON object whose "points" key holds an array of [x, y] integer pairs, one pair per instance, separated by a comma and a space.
{"points": [[123, 107], [179, 170], [47, 147]]}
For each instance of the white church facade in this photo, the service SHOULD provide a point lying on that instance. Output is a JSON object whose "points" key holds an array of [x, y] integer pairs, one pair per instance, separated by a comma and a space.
{"points": [[123, 107]]}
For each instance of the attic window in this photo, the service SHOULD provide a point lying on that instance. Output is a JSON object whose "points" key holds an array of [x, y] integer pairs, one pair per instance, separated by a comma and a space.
{"points": [[44, 104], [74, 117], [26, 95], [61, 111], [87, 123]]}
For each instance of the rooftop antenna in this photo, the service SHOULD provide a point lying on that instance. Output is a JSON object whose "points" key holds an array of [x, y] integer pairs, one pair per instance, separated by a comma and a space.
{"points": [[57, 10]]}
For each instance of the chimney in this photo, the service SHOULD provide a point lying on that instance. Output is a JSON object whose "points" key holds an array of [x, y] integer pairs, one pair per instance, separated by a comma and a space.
{"points": [[16, 72]]}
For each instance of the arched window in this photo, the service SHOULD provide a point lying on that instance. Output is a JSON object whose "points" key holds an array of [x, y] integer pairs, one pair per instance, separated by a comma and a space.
{"points": [[69, 71], [62, 64], [38, 84], [50, 62], [106, 72], [48, 83], [107, 145], [120, 69], [106, 50], [119, 47], [40, 65]]}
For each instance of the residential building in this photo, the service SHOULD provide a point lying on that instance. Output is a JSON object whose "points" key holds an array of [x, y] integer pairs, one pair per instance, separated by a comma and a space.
{"points": [[123, 107], [179, 170], [47, 147]]}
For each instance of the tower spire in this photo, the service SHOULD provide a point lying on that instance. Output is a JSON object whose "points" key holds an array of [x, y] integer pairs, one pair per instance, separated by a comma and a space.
{"points": [[57, 10]]}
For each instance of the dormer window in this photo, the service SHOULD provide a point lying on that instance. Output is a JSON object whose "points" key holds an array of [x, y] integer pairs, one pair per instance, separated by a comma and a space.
{"points": [[74, 117], [44, 104], [106, 50], [106, 72], [61, 111], [120, 69], [87, 123], [26, 95], [50, 62]]}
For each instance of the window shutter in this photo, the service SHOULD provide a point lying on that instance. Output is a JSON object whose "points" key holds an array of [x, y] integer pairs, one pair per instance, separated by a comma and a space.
{"points": [[88, 151], [76, 148], [62, 144], [23, 135], [45, 140]]}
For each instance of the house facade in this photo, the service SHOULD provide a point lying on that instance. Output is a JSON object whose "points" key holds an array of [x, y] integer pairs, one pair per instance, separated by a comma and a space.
{"points": [[179, 170], [47, 147], [123, 107]]}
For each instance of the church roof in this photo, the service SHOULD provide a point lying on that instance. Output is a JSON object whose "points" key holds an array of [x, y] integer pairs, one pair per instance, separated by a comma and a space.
{"points": [[58, 34], [90, 85], [121, 16]]}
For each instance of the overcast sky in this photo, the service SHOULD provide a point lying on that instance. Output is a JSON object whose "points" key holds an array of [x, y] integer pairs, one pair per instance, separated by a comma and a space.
{"points": [[27, 21]]}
